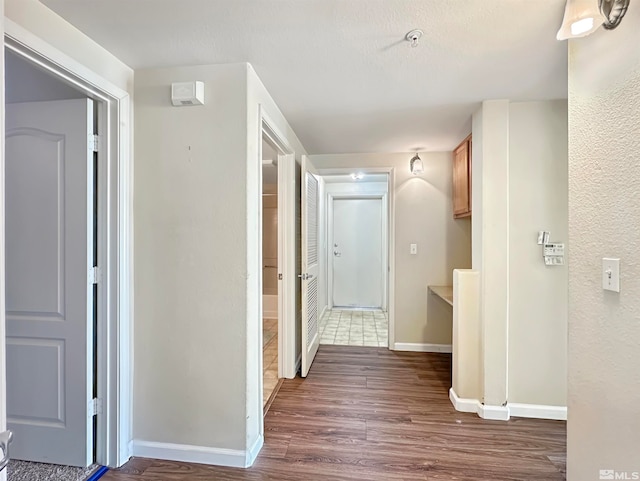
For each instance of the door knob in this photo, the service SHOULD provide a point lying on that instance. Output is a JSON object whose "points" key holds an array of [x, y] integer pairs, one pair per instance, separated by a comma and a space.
{"points": [[5, 439]]}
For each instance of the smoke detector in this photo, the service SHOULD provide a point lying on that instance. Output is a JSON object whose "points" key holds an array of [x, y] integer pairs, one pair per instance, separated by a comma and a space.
{"points": [[414, 36]]}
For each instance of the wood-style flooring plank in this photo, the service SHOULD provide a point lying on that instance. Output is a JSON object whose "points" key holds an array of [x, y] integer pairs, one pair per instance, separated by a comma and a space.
{"points": [[378, 415]]}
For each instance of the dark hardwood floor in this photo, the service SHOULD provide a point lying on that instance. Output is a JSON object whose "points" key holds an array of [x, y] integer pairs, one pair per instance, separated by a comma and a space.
{"points": [[373, 414]]}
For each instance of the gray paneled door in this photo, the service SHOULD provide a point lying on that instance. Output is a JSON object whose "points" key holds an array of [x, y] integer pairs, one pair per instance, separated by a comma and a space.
{"points": [[49, 299]]}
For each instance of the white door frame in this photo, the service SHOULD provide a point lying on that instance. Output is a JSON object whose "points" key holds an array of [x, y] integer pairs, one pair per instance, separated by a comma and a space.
{"points": [[385, 240], [286, 248], [391, 239], [115, 240]]}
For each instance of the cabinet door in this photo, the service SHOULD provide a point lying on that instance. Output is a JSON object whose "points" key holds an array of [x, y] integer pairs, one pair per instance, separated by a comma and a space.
{"points": [[461, 180]]}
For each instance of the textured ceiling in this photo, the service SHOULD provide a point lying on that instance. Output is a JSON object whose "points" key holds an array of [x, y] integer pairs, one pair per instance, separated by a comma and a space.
{"points": [[340, 70]]}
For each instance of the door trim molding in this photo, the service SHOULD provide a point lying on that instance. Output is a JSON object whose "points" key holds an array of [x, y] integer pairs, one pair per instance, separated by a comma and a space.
{"points": [[286, 246], [115, 257]]}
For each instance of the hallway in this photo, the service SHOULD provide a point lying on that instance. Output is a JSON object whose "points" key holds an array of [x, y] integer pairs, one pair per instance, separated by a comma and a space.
{"points": [[354, 327], [377, 415]]}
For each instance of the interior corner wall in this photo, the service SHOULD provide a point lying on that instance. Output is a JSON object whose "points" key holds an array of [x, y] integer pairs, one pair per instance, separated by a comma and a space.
{"points": [[604, 207], [42, 22], [537, 363], [424, 216], [190, 372]]}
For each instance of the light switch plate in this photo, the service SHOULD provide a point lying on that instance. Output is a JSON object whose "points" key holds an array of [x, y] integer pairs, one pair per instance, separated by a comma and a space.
{"points": [[413, 249], [611, 274]]}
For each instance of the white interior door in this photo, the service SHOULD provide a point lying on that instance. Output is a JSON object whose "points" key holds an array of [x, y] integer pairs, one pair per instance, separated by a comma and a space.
{"points": [[357, 252], [310, 264], [49, 300]]}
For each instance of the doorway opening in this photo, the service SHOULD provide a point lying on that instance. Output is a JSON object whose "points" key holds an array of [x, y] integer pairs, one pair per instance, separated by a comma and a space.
{"points": [[357, 260], [51, 228], [270, 272], [67, 217], [277, 284]]}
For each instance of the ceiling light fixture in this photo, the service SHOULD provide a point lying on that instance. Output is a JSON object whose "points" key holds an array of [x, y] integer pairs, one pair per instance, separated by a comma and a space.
{"points": [[415, 165], [583, 17], [414, 37]]}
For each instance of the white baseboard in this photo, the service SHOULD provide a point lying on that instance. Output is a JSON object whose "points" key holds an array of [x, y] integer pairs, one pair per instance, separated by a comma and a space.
{"points": [[235, 458], [417, 347], [494, 413], [269, 314], [538, 411], [252, 454], [462, 404], [503, 413]]}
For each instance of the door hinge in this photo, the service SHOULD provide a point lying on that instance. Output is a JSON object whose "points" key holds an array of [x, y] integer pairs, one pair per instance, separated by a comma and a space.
{"points": [[95, 406], [94, 142], [94, 275]]}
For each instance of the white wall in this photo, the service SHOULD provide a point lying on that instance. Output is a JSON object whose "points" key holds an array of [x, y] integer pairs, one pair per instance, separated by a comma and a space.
{"points": [[537, 293], [191, 244], [467, 364], [604, 208], [423, 215]]}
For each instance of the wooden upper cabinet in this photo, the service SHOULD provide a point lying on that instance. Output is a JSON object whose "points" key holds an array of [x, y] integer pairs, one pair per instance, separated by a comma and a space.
{"points": [[462, 179]]}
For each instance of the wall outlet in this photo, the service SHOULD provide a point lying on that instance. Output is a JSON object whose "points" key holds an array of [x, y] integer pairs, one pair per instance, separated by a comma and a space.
{"points": [[413, 249]]}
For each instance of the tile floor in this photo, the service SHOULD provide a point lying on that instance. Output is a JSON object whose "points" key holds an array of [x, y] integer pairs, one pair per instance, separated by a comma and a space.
{"points": [[354, 327], [269, 357]]}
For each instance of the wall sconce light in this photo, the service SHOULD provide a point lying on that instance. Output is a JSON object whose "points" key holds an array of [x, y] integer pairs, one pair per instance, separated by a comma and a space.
{"points": [[583, 17], [415, 165]]}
